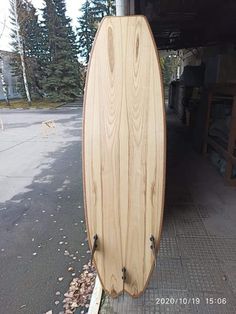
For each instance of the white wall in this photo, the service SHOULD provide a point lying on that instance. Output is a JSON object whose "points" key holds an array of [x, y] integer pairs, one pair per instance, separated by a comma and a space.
{"points": [[9, 78]]}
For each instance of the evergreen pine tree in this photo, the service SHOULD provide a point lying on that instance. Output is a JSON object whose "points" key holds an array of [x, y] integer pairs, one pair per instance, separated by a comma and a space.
{"points": [[62, 70], [86, 30], [26, 45], [33, 51], [101, 8], [92, 13]]}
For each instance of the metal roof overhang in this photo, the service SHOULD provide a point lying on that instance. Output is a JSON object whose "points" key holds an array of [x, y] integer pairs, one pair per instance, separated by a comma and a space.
{"points": [[178, 24]]}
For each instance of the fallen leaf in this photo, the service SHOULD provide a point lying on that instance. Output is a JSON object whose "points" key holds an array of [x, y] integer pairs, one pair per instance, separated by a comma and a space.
{"points": [[22, 306], [80, 289]]}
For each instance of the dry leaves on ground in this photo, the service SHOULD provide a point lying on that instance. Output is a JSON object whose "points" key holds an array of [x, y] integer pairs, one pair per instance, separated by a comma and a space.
{"points": [[80, 290]]}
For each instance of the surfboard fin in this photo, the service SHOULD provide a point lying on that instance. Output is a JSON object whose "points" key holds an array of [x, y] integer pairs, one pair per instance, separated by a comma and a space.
{"points": [[153, 247], [123, 278], [95, 238]]}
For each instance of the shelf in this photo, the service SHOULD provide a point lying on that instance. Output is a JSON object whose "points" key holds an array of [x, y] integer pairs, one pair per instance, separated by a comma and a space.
{"points": [[221, 150], [226, 151]]}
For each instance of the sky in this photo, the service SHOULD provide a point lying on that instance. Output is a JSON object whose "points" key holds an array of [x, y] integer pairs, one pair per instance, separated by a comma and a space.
{"points": [[73, 7]]}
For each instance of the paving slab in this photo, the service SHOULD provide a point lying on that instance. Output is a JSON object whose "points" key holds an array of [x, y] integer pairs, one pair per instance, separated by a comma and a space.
{"points": [[195, 270]]}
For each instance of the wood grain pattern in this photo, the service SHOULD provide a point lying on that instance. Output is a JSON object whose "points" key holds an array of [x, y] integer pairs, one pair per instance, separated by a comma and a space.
{"points": [[124, 152]]}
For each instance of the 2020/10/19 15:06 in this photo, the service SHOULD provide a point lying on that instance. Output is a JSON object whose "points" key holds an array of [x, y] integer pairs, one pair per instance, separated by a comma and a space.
{"points": [[216, 301], [194, 300]]}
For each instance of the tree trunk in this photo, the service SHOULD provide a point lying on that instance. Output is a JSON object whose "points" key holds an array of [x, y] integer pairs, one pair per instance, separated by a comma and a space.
{"points": [[21, 52]]}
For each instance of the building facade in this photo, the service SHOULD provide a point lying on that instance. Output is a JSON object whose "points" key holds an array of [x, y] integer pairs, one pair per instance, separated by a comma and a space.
{"points": [[8, 82]]}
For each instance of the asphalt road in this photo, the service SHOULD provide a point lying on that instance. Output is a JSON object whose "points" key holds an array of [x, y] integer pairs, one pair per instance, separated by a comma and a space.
{"points": [[41, 209]]}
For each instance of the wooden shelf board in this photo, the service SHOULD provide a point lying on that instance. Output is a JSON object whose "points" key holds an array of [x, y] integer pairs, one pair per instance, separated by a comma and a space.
{"points": [[221, 150]]}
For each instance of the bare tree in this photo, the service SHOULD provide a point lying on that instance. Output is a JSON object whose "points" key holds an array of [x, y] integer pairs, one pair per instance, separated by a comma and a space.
{"points": [[15, 4]]}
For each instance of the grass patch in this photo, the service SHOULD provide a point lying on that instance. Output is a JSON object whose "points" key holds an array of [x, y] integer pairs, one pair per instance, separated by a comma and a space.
{"points": [[37, 104]]}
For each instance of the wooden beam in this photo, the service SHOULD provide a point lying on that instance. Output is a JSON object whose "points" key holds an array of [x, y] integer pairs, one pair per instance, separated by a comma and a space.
{"points": [[96, 297], [231, 144], [209, 100]]}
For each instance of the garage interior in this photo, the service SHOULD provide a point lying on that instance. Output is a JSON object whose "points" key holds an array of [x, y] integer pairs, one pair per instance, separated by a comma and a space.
{"points": [[197, 256]]}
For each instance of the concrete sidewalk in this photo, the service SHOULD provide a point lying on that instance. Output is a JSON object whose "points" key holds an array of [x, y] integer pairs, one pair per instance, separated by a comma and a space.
{"points": [[196, 264]]}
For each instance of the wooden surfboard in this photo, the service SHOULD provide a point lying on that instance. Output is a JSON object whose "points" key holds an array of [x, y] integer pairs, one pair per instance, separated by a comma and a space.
{"points": [[124, 154]]}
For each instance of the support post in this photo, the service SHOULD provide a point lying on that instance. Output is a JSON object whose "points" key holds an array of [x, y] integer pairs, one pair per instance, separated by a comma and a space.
{"points": [[122, 7]]}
